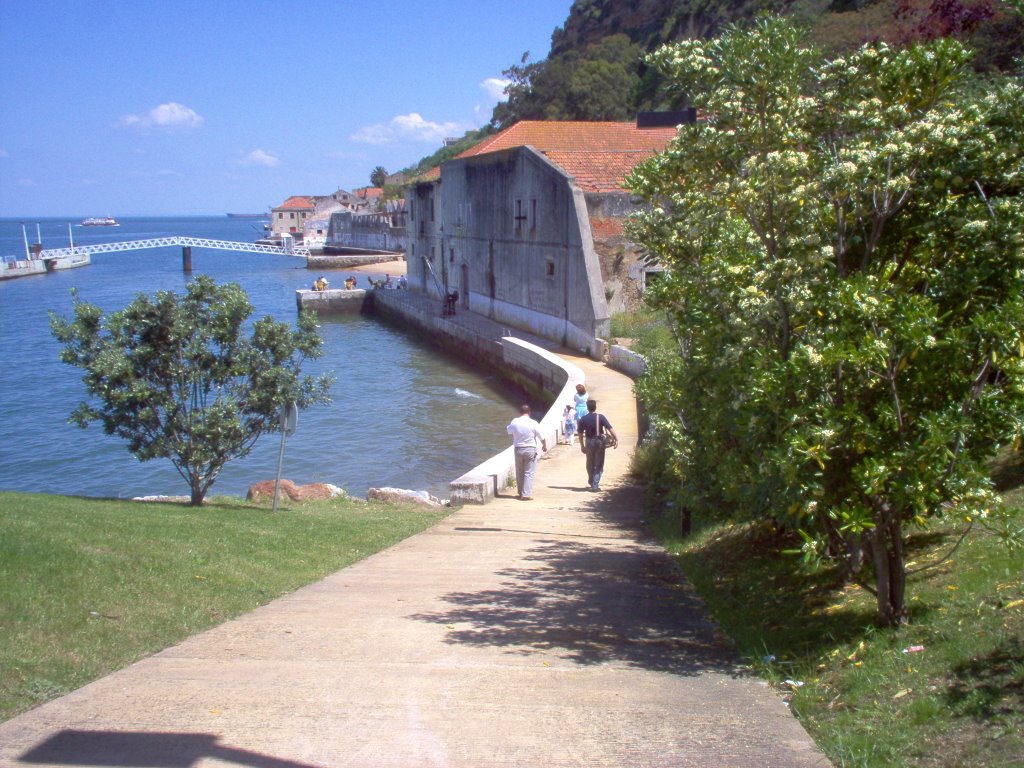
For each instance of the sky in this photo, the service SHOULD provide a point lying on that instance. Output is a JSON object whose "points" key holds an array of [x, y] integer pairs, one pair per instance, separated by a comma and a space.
{"points": [[193, 107]]}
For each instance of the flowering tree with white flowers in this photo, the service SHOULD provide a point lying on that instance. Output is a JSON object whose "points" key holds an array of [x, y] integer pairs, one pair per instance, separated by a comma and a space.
{"points": [[845, 280]]}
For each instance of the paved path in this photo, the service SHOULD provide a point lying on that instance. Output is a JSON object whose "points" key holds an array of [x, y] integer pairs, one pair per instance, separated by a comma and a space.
{"points": [[538, 634]]}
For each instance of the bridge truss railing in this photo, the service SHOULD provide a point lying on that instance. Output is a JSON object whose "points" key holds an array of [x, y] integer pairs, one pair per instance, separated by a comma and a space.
{"points": [[164, 242]]}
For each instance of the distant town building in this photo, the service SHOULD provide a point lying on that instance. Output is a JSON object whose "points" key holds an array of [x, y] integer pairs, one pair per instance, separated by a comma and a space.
{"points": [[290, 217]]}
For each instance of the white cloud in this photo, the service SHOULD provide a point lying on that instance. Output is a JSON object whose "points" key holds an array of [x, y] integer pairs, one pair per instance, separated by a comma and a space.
{"points": [[495, 87], [171, 116], [260, 157], [411, 127]]}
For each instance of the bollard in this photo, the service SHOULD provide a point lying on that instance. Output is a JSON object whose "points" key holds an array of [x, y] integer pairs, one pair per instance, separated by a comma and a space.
{"points": [[186, 258]]}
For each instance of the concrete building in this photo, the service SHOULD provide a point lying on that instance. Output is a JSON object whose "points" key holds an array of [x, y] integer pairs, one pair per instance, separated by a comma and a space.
{"points": [[527, 227]]}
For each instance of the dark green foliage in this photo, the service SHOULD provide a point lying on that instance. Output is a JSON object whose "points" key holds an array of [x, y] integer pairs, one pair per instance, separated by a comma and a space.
{"points": [[176, 377], [599, 82]]}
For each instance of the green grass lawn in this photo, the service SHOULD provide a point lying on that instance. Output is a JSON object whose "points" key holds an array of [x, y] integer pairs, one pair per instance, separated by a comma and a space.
{"points": [[947, 689], [88, 585]]}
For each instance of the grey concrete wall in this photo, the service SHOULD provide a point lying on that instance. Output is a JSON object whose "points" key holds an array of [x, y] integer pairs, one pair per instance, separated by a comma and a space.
{"points": [[510, 231], [423, 240], [335, 302]]}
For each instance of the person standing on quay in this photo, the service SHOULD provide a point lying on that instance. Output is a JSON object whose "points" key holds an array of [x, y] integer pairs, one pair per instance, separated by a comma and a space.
{"points": [[594, 429], [525, 434]]}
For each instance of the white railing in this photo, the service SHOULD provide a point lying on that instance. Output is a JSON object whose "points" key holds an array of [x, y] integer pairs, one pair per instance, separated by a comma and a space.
{"points": [[163, 242]]}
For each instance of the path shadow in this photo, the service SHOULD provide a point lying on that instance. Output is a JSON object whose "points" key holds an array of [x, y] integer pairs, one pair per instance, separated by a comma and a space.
{"points": [[599, 600], [137, 749]]}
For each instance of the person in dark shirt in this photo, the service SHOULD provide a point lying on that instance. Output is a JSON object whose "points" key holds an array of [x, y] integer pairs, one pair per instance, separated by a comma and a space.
{"points": [[596, 434]]}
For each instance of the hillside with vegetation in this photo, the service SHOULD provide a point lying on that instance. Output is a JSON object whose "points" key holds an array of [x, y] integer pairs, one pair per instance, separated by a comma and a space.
{"points": [[595, 68]]}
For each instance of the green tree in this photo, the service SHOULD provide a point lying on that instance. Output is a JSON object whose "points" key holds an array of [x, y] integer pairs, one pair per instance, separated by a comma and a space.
{"points": [[379, 176], [600, 82], [846, 286], [176, 377]]}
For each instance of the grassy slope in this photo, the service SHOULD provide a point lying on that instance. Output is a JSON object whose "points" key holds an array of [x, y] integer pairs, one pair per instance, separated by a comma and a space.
{"points": [[945, 690], [88, 586]]}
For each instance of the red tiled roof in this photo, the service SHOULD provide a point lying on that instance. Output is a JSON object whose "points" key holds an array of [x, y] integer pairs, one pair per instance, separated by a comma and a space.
{"points": [[597, 155], [295, 202], [368, 192]]}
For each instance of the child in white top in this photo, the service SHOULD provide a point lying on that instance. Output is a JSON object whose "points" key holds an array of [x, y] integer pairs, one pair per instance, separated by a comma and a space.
{"points": [[569, 423]]}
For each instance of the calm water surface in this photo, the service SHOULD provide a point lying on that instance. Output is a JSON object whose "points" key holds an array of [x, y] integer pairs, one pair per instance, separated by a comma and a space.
{"points": [[403, 414]]}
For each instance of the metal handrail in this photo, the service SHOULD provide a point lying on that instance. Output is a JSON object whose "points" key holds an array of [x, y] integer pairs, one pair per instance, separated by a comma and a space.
{"points": [[163, 242]]}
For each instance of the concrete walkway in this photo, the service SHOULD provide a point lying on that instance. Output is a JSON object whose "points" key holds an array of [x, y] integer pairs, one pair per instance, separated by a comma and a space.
{"points": [[537, 634]]}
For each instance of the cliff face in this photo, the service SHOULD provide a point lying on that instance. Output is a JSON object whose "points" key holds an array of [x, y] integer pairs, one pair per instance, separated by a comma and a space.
{"points": [[835, 25], [650, 23]]}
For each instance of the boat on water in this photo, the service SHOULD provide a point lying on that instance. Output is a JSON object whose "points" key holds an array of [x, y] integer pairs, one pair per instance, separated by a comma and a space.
{"points": [[100, 221]]}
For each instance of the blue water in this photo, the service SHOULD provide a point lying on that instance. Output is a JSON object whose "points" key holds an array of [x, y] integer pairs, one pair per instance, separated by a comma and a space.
{"points": [[403, 414]]}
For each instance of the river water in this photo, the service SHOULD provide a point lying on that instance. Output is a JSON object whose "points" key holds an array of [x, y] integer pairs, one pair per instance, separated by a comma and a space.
{"points": [[403, 414]]}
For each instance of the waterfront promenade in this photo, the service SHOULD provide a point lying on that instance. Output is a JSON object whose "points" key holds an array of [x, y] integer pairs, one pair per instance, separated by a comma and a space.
{"points": [[546, 633]]}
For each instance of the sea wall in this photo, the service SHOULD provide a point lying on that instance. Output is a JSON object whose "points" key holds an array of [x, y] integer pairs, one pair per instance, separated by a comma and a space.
{"points": [[334, 259], [536, 370], [335, 301]]}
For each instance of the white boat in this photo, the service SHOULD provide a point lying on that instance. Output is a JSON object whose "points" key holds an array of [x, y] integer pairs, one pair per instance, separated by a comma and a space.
{"points": [[102, 221]]}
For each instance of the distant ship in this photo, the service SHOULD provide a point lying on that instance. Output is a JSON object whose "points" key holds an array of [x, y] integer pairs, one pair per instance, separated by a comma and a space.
{"points": [[103, 221], [248, 215]]}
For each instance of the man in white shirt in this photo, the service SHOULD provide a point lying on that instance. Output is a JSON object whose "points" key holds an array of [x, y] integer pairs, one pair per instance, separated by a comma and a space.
{"points": [[525, 434]]}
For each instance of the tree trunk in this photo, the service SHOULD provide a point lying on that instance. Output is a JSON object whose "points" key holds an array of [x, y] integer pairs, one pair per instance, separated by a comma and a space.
{"points": [[890, 569], [198, 491]]}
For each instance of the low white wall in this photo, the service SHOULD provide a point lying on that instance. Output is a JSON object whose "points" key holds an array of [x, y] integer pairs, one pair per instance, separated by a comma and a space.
{"points": [[627, 361], [482, 483]]}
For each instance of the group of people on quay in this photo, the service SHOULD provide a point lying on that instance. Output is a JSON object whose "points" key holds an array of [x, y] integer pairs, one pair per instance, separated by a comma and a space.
{"points": [[321, 284], [579, 418]]}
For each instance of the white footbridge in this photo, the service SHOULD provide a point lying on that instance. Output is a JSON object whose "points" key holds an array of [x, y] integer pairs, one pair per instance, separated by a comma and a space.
{"points": [[164, 242]]}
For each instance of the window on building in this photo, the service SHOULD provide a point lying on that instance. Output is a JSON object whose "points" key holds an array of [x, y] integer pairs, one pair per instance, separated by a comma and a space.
{"points": [[518, 221], [550, 270], [533, 214]]}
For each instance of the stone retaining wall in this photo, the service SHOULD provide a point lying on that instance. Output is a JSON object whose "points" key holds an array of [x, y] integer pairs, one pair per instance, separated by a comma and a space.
{"points": [[626, 360], [335, 301]]}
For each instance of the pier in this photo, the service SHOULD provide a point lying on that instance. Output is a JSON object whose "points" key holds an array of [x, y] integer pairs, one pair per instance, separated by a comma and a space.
{"points": [[184, 242], [43, 261]]}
